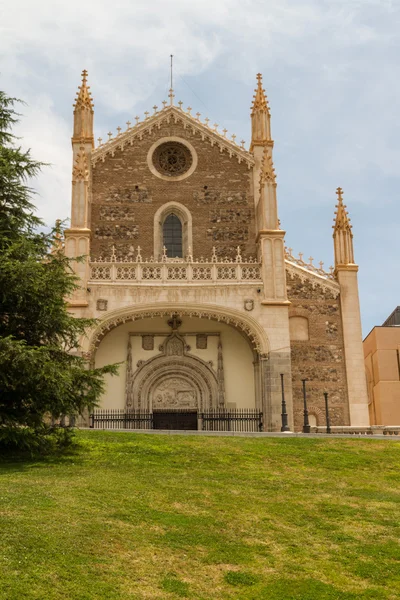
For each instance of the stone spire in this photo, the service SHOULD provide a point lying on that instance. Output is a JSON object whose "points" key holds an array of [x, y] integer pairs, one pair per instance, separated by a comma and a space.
{"points": [[342, 234], [83, 113], [260, 117]]}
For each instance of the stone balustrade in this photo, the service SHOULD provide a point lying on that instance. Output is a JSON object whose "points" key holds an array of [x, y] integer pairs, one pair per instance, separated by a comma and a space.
{"points": [[175, 272]]}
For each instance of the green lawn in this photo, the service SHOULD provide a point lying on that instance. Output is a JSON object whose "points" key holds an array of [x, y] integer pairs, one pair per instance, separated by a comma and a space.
{"points": [[153, 516]]}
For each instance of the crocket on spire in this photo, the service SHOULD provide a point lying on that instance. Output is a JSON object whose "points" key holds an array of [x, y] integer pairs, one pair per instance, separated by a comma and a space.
{"points": [[83, 96], [342, 234], [260, 117], [83, 114]]}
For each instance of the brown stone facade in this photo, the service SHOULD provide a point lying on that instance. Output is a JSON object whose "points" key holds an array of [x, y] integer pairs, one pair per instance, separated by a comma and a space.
{"points": [[126, 196], [320, 359]]}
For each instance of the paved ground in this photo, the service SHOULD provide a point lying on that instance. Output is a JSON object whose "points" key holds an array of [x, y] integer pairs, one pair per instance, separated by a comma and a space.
{"points": [[395, 438]]}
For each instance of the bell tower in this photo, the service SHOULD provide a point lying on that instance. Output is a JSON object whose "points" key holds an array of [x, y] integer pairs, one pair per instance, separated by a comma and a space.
{"points": [[346, 273], [77, 237]]}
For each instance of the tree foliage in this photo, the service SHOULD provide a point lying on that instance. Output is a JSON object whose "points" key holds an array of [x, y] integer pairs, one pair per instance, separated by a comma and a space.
{"points": [[41, 371]]}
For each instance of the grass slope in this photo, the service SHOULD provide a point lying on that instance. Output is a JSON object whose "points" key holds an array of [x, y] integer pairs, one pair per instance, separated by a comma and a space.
{"points": [[146, 517]]}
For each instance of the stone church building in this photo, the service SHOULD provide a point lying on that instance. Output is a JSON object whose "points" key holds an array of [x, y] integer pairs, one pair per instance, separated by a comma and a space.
{"points": [[187, 272]]}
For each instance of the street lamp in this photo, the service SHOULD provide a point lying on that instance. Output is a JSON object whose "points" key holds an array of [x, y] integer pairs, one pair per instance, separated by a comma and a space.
{"points": [[285, 426], [306, 424], [328, 423]]}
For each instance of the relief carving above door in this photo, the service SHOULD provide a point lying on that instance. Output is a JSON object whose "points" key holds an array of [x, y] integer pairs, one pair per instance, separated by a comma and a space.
{"points": [[174, 392]]}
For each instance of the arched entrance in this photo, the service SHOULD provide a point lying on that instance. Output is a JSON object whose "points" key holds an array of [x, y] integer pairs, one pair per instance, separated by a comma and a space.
{"points": [[211, 361]]}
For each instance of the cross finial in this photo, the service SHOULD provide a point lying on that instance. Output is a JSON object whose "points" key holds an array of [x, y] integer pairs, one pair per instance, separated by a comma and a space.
{"points": [[147, 114], [109, 135], [99, 140], [128, 124], [198, 115], [259, 77], [224, 131], [165, 103], [180, 104], [171, 96], [189, 108], [155, 108], [339, 193], [84, 76], [137, 119], [119, 130]]}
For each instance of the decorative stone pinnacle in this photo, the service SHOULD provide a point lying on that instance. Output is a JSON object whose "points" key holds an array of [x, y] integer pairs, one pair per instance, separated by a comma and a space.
{"points": [[128, 124], [155, 108], [215, 126], [171, 96], [224, 131], [339, 193], [147, 114], [164, 102], [109, 135], [260, 99], [83, 98], [119, 129], [180, 104], [189, 109], [198, 115], [99, 140], [137, 119], [242, 143]]}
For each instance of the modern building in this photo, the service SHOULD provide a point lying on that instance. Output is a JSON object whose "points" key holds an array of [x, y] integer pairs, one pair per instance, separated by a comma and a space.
{"points": [[188, 275], [382, 364]]}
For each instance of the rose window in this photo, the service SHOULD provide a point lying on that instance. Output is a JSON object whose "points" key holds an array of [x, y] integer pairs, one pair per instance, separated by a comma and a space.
{"points": [[172, 159]]}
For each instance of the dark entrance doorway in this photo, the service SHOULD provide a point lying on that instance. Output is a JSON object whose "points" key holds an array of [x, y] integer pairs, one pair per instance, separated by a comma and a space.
{"points": [[175, 419]]}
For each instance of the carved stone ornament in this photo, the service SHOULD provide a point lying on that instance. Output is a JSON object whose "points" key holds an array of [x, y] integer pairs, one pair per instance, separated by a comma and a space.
{"points": [[148, 342], [174, 378], [248, 304], [102, 304], [201, 341]]}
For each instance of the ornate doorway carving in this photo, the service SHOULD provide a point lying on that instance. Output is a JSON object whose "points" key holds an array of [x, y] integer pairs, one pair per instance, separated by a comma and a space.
{"points": [[174, 392], [174, 379]]}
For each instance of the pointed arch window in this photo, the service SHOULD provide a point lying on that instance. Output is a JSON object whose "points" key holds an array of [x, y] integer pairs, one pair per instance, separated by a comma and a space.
{"points": [[172, 236]]}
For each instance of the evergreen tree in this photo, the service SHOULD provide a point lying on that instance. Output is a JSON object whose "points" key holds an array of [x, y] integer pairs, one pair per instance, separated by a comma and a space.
{"points": [[41, 374]]}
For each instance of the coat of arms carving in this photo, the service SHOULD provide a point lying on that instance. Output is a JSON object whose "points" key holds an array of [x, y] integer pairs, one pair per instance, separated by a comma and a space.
{"points": [[248, 304]]}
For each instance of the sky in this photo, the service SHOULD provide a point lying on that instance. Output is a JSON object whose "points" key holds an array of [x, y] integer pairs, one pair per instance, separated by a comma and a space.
{"points": [[331, 71]]}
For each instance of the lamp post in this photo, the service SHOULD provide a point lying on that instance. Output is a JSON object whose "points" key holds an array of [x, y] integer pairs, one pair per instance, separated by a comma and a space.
{"points": [[328, 423], [306, 424], [285, 426]]}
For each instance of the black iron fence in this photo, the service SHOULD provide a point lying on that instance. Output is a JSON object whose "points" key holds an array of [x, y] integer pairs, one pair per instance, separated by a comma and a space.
{"points": [[240, 419], [117, 418]]}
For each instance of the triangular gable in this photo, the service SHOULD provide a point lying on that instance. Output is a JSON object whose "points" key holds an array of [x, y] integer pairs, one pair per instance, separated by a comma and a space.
{"points": [[178, 115]]}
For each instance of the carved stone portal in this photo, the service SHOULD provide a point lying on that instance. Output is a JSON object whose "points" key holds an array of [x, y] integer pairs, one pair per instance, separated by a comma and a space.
{"points": [[174, 378]]}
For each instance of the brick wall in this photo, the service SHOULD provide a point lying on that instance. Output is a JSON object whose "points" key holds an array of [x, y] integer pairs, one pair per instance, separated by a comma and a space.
{"points": [[126, 196], [320, 359]]}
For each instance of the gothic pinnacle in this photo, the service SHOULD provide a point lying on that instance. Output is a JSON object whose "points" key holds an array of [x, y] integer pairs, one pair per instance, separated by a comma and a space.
{"points": [[260, 99], [83, 98], [342, 221]]}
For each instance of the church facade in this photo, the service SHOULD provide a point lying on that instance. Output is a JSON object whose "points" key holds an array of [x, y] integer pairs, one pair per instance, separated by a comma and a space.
{"points": [[187, 273]]}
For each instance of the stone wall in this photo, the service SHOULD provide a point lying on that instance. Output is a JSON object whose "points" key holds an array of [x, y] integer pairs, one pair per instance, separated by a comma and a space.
{"points": [[126, 196], [320, 359]]}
